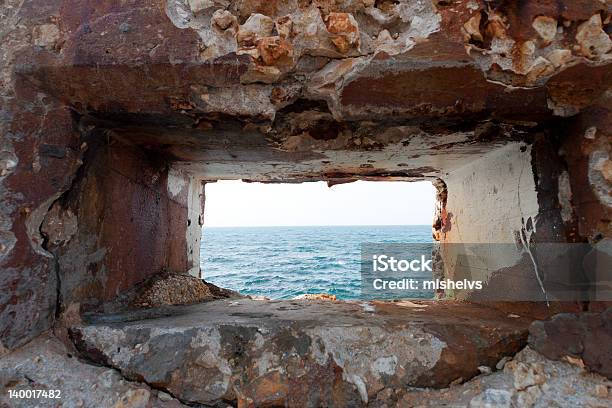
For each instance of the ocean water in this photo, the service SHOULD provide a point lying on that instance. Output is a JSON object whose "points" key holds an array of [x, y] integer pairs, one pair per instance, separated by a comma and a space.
{"points": [[285, 262]]}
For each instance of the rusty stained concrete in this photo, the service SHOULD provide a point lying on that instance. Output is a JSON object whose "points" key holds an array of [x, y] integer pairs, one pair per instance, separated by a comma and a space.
{"points": [[300, 353], [111, 116], [134, 214], [114, 114]]}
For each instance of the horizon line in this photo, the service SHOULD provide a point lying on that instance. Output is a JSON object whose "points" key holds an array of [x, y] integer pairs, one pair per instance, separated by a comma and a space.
{"points": [[317, 225]]}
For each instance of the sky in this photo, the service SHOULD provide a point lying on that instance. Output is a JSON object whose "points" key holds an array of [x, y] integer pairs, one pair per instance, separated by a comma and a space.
{"points": [[234, 203]]}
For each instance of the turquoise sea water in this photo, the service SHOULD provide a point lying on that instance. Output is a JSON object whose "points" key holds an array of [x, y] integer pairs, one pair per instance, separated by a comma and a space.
{"points": [[284, 262]]}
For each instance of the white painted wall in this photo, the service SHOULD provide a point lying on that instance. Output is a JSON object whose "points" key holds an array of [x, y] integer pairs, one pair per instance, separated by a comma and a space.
{"points": [[185, 188], [489, 201]]}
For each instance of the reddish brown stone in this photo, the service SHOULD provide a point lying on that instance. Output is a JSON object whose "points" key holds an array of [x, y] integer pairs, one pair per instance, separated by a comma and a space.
{"points": [[275, 51], [47, 151], [139, 81], [520, 16], [435, 91], [151, 221], [587, 336]]}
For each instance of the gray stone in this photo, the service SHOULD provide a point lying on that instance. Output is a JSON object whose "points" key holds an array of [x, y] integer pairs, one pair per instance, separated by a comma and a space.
{"points": [[273, 351], [563, 385], [492, 398], [46, 364]]}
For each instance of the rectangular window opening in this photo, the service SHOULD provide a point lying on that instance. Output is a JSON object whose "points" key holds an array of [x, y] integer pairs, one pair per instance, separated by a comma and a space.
{"points": [[286, 241]]}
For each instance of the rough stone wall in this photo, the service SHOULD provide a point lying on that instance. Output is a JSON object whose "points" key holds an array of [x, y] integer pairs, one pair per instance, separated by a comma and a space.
{"points": [[41, 152], [111, 113], [274, 90], [586, 189], [39, 156], [127, 217]]}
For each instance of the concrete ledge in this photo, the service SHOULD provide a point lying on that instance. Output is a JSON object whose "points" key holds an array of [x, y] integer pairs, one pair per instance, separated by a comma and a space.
{"points": [[300, 353]]}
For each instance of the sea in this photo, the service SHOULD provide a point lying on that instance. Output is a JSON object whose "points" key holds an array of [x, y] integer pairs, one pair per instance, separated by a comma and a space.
{"points": [[286, 262]]}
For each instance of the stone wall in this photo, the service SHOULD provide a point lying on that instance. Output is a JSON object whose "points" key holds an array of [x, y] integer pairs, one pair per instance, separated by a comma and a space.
{"points": [[491, 202], [585, 189], [506, 204], [587, 149], [491, 198], [40, 153], [111, 113], [127, 217]]}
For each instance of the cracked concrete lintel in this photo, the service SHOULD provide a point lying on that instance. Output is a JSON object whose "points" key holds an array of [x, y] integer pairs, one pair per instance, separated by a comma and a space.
{"points": [[309, 37], [519, 62], [445, 18]]}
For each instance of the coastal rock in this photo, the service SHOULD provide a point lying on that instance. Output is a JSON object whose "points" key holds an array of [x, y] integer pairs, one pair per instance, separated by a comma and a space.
{"points": [[274, 352], [316, 296]]}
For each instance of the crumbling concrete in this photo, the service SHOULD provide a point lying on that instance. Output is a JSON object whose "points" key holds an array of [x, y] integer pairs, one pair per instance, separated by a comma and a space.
{"points": [[527, 380], [159, 221], [112, 115], [300, 353], [583, 337], [47, 365]]}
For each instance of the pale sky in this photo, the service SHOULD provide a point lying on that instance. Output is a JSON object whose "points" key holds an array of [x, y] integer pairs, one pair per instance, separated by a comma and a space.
{"points": [[234, 203]]}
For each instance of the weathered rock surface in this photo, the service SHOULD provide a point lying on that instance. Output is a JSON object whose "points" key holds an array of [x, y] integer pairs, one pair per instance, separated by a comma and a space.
{"points": [[585, 336], [528, 380], [46, 364], [112, 114], [301, 353]]}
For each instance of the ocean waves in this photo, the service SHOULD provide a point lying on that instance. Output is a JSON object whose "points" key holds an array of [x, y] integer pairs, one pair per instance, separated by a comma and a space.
{"points": [[285, 262]]}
